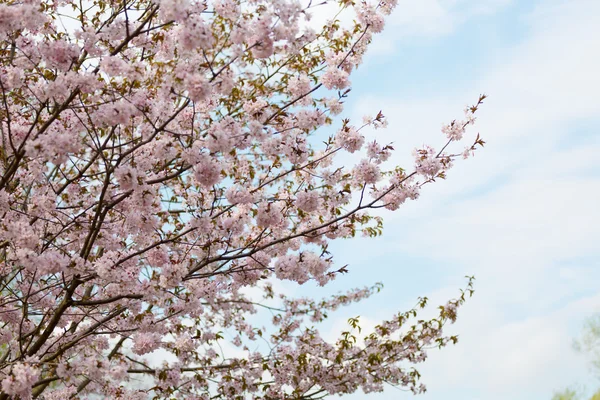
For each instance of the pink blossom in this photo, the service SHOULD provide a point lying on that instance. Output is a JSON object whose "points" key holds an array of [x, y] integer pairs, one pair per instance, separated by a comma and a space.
{"points": [[224, 135], [349, 139], [454, 131], [427, 162], [60, 54], [262, 46], [239, 195], [19, 16], [369, 16], [198, 87], [144, 343], [366, 172], [114, 66], [175, 10], [227, 8], [256, 108], [309, 120], [270, 215], [21, 379], [334, 105], [164, 169], [308, 201], [127, 177], [208, 171], [299, 87], [195, 33], [335, 78], [61, 394]]}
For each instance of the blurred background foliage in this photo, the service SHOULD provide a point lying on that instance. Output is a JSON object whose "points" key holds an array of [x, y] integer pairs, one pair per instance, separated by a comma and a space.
{"points": [[588, 344]]}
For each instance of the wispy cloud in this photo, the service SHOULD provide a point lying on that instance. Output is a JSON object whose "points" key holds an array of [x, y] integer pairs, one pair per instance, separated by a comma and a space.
{"points": [[523, 215], [430, 19]]}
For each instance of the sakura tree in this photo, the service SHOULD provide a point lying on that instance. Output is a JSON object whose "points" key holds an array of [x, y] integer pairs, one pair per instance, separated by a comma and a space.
{"points": [[162, 164]]}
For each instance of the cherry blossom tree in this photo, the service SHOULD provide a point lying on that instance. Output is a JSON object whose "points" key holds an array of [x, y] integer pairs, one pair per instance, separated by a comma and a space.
{"points": [[162, 165]]}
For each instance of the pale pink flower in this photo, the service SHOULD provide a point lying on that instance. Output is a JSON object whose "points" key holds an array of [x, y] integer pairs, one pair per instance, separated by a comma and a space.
{"points": [[335, 78], [307, 201], [144, 343], [20, 381], [208, 171], [349, 139], [366, 172]]}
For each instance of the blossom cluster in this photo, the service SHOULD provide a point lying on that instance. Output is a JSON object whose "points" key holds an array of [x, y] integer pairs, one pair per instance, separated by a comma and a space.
{"points": [[161, 158]]}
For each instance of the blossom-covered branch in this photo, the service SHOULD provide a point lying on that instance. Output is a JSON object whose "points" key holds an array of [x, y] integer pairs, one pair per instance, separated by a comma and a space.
{"points": [[162, 159]]}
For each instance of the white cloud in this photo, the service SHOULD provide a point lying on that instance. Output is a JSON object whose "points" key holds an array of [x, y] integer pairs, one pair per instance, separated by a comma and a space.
{"points": [[536, 90], [411, 19], [523, 215], [430, 18], [514, 359]]}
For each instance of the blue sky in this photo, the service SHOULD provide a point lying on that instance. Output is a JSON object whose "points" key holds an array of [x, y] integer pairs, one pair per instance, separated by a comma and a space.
{"points": [[522, 216]]}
